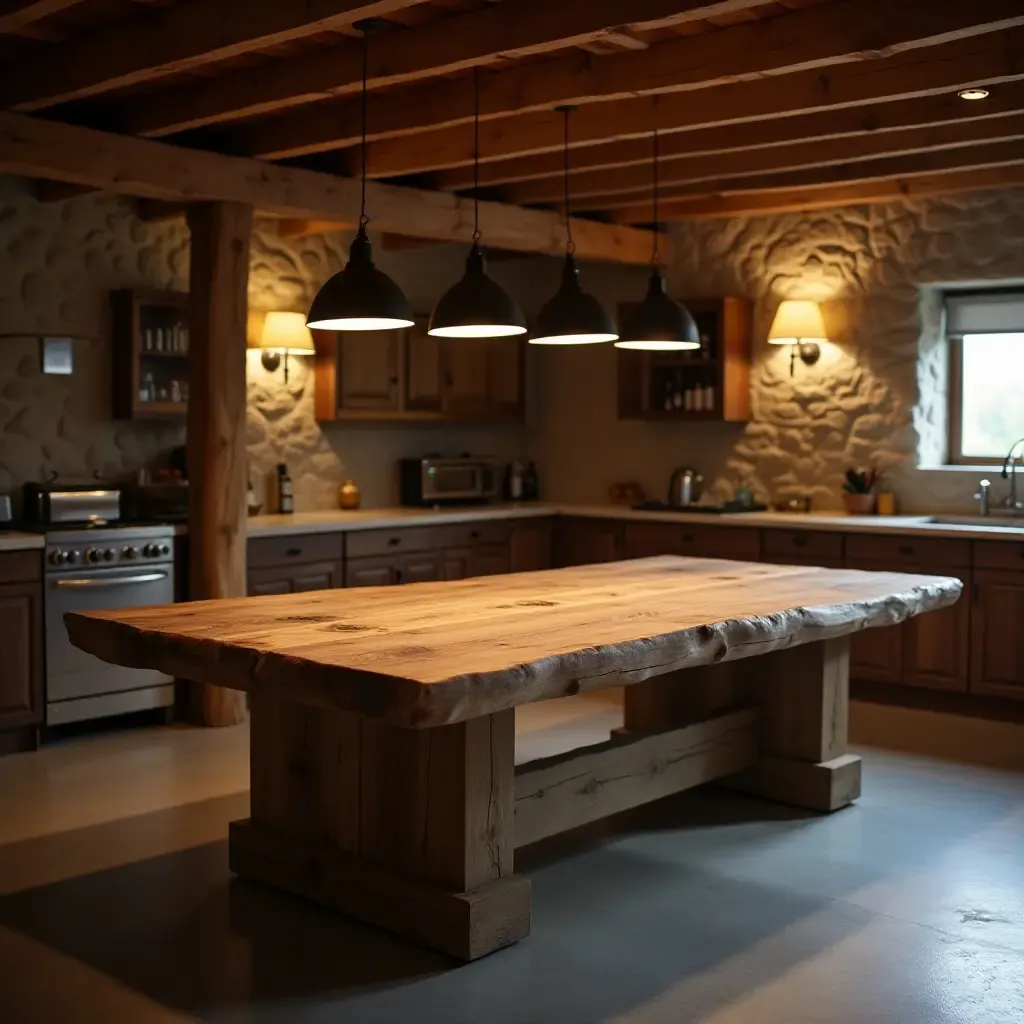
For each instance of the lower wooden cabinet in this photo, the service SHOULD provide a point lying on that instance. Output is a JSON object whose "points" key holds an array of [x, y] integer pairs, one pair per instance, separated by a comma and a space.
{"points": [[697, 540], [580, 541], [937, 645], [21, 665], [531, 545], [294, 564], [997, 633]]}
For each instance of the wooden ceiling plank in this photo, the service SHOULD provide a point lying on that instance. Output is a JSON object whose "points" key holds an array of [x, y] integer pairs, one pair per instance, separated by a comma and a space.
{"points": [[439, 47], [854, 31], [39, 148], [167, 39], [847, 122], [17, 15], [991, 58], [739, 163], [753, 204]]}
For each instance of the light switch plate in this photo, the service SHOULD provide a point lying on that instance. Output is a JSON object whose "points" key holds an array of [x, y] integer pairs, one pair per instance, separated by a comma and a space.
{"points": [[58, 355]]}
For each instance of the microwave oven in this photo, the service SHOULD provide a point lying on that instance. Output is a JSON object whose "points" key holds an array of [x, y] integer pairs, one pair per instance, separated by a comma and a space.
{"points": [[448, 481]]}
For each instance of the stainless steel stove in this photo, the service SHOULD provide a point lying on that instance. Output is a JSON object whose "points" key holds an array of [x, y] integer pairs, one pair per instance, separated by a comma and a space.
{"points": [[94, 565]]}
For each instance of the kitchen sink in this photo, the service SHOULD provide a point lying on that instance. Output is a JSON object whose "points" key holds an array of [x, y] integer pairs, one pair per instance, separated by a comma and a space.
{"points": [[1003, 522]]}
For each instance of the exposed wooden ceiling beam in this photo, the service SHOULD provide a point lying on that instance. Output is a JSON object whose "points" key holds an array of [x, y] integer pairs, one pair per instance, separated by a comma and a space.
{"points": [[18, 14], [167, 39], [846, 122], [441, 47], [752, 204], [849, 31], [39, 148], [992, 58], [984, 157], [817, 153]]}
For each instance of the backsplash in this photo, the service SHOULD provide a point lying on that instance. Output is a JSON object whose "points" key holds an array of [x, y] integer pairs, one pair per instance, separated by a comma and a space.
{"points": [[878, 395], [67, 257]]}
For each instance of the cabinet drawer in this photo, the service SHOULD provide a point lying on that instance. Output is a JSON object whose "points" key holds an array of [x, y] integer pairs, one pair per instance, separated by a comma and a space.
{"points": [[294, 549], [697, 540], [808, 546], [365, 543], [470, 534], [900, 552], [21, 566], [999, 554]]}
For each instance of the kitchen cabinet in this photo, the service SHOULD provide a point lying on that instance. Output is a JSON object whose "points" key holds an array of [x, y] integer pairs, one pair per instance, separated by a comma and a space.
{"points": [[698, 540], [937, 645], [653, 385], [21, 666], [408, 375], [997, 636], [294, 564], [580, 541], [876, 655], [803, 547], [371, 572], [531, 545]]}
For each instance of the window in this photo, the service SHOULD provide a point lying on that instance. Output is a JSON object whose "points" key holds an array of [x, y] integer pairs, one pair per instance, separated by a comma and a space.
{"points": [[986, 380]]}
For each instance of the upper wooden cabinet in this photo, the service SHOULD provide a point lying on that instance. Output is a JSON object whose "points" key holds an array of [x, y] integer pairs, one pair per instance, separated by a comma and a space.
{"points": [[408, 375], [655, 385]]}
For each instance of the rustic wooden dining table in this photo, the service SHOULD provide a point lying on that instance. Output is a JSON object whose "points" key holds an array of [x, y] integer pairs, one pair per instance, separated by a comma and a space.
{"points": [[383, 780]]}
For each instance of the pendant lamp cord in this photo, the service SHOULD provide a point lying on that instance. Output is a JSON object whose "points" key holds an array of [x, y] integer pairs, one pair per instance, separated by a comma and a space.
{"points": [[476, 154], [363, 219], [570, 245], [656, 254]]}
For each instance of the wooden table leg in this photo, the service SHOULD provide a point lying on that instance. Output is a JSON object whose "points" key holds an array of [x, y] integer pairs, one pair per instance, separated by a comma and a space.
{"points": [[803, 697], [407, 829]]}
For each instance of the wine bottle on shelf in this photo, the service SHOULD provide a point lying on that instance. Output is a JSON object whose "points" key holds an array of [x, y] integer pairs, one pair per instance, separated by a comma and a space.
{"points": [[285, 494]]}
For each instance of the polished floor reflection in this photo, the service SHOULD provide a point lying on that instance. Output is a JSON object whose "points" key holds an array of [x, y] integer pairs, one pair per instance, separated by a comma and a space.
{"points": [[116, 903]]}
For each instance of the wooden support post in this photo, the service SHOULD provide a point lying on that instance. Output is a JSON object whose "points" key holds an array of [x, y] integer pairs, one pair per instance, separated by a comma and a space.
{"points": [[803, 697], [219, 280], [407, 829]]}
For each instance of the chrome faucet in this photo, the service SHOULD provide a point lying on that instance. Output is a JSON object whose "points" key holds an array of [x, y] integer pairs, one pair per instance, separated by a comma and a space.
{"points": [[1010, 473]]}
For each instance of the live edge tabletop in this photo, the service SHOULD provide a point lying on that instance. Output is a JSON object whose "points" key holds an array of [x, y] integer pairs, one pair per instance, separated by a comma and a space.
{"points": [[382, 722]]}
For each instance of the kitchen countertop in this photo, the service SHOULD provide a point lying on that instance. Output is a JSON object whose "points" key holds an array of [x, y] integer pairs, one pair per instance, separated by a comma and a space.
{"points": [[336, 520], [15, 540]]}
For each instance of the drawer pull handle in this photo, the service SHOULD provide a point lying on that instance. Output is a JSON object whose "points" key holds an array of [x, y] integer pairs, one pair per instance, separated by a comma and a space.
{"points": [[293, 552], [475, 534], [906, 549], [687, 538], [800, 542], [394, 541]]}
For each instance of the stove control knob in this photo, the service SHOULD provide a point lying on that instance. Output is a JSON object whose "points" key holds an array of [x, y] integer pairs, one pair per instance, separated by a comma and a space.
{"points": [[165, 550], [151, 551], [93, 555], [58, 557], [130, 553], [71, 557], [109, 555]]}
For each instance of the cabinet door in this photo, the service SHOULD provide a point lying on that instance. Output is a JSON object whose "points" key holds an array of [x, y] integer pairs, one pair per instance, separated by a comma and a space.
{"points": [[21, 666], [371, 572], [876, 654], [321, 576], [424, 567], [464, 376], [997, 639], [269, 581], [587, 541], [936, 644], [455, 563], [491, 560], [423, 372], [368, 370], [531, 545], [505, 377]]}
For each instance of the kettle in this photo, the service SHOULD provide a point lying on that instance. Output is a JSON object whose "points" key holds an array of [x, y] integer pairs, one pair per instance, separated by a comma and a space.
{"points": [[684, 487]]}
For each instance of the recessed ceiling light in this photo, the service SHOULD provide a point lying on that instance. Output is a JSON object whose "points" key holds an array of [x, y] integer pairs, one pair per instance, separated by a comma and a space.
{"points": [[974, 93]]}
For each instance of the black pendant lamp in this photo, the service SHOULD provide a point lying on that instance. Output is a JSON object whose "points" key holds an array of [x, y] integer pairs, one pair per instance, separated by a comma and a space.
{"points": [[476, 306], [659, 323], [360, 297], [571, 316]]}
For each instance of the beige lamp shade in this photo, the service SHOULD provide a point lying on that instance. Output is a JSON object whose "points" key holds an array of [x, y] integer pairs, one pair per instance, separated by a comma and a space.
{"points": [[797, 321], [286, 332]]}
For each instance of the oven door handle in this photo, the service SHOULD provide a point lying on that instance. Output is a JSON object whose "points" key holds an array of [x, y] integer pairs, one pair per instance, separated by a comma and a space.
{"points": [[98, 582]]}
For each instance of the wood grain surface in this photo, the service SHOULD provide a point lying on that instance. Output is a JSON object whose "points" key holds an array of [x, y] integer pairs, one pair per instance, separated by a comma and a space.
{"points": [[430, 654]]}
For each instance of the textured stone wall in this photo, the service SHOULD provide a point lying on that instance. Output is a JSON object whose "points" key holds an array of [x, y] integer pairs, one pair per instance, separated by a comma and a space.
{"points": [[60, 261], [878, 395]]}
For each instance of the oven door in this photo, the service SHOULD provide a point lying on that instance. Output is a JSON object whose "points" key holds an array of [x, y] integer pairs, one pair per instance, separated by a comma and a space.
{"points": [[71, 673]]}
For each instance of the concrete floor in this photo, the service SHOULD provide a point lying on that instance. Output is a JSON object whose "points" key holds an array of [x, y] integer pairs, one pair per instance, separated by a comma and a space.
{"points": [[116, 903]]}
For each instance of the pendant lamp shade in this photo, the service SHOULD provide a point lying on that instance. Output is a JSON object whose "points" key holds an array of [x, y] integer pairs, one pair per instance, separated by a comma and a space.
{"points": [[360, 297], [659, 323], [475, 306], [571, 316]]}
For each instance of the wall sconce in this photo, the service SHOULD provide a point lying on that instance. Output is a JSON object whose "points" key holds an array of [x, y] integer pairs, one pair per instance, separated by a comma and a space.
{"points": [[798, 323], [284, 334]]}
